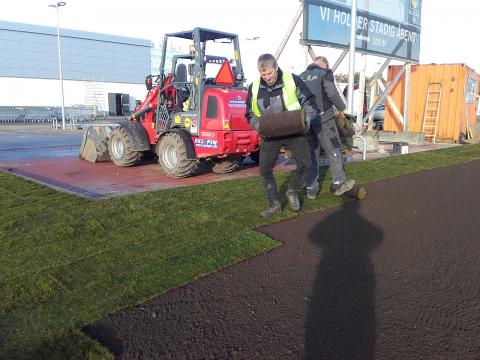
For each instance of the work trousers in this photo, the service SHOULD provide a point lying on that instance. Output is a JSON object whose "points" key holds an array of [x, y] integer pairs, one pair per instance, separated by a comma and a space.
{"points": [[269, 151], [326, 136]]}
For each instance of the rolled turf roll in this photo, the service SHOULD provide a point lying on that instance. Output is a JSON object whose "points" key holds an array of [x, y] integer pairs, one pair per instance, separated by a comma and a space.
{"points": [[282, 124]]}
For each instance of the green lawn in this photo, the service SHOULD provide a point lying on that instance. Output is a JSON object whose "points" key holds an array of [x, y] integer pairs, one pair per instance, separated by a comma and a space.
{"points": [[67, 261]]}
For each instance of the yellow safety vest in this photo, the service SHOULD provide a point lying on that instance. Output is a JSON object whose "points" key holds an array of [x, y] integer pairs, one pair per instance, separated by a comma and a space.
{"points": [[289, 92]]}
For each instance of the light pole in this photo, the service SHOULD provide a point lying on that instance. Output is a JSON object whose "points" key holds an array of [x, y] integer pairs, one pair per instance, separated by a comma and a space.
{"points": [[351, 61], [57, 6], [250, 69]]}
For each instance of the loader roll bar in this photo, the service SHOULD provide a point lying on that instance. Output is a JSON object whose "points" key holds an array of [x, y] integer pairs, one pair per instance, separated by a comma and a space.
{"points": [[205, 34]]}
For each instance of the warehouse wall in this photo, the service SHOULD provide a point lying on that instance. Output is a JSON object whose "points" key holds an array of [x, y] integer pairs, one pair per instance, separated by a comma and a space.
{"points": [[30, 51], [91, 63], [46, 92]]}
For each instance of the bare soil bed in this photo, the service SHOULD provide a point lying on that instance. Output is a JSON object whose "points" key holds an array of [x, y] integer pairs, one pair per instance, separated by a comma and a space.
{"points": [[395, 276]]}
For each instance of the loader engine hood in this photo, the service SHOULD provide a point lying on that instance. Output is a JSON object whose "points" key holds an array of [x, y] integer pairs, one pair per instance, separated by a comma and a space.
{"points": [[224, 110]]}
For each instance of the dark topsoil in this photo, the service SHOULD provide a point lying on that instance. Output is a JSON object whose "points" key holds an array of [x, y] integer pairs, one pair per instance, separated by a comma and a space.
{"points": [[395, 276]]}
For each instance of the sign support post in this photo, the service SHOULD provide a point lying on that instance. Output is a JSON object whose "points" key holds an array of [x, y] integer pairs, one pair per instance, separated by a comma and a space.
{"points": [[351, 62]]}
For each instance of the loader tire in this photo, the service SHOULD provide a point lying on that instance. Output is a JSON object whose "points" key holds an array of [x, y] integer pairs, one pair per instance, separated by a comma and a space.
{"points": [[172, 157], [121, 150], [223, 166]]}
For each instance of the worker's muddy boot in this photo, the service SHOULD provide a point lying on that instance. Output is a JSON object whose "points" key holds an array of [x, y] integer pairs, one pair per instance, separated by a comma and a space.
{"points": [[293, 201], [275, 208], [340, 189]]}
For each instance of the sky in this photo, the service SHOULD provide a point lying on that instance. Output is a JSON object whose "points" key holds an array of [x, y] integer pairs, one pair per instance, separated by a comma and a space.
{"points": [[449, 28]]}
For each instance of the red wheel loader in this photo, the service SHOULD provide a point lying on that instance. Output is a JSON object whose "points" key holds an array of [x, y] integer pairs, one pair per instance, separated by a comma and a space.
{"points": [[192, 114]]}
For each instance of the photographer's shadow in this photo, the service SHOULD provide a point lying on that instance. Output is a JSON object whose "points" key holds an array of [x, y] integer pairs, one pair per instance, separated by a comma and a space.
{"points": [[341, 318]]}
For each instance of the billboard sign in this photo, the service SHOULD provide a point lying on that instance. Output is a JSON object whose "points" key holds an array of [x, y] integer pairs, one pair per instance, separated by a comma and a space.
{"points": [[389, 28]]}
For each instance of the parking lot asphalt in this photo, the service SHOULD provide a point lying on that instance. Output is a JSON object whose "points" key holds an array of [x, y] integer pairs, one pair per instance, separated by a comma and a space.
{"points": [[38, 144]]}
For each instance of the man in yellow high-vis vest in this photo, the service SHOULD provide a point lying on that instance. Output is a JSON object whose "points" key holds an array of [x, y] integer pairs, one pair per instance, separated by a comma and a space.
{"points": [[276, 91]]}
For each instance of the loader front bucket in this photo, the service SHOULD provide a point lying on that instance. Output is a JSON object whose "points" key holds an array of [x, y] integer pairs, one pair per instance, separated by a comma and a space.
{"points": [[94, 146]]}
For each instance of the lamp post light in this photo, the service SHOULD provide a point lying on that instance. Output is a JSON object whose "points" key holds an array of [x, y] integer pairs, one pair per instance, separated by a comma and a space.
{"points": [[57, 6]]}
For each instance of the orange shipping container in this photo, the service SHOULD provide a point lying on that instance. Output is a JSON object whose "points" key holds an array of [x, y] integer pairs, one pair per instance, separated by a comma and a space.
{"points": [[458, 100]]}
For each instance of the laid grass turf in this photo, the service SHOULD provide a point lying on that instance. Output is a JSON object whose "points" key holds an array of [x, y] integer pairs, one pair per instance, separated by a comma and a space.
{"points": [[67, 261]]}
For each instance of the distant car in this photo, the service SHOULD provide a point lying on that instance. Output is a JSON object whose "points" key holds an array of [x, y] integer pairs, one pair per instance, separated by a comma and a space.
{"points": [[378, 117]]}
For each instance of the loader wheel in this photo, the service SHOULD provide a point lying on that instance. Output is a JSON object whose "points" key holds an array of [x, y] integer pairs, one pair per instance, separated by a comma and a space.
{"points": [[223, 166], [120, 149], [172, 157]]}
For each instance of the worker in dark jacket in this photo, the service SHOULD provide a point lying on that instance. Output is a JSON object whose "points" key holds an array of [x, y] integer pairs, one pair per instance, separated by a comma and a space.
{"points": [[274, 92], [323, 130]]}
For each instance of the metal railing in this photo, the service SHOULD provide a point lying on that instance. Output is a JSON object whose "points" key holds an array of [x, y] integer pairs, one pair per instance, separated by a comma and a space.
{"points": [[364, 141], [29, 115]]}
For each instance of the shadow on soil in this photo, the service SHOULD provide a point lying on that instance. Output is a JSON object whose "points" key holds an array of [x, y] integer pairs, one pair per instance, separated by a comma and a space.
{"points": [[341, 318]]}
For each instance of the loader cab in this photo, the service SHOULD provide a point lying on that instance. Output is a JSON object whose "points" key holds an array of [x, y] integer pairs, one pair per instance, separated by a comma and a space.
{"points": [[211, 59], [182, 83]]}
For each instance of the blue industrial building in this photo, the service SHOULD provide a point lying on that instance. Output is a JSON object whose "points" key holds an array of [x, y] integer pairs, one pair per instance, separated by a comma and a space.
{"points": [[30, 51], [104, 71]]}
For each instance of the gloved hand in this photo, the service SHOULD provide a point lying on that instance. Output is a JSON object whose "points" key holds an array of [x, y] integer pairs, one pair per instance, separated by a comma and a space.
{"points": [[255, 123], [348, 116]]}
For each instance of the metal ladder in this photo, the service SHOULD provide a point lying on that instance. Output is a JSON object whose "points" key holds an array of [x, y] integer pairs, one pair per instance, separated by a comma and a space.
{"points": [[432, 110]]}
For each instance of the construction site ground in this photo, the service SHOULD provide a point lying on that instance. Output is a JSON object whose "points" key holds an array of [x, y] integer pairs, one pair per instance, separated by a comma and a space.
{"points": [[394, 276]]}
